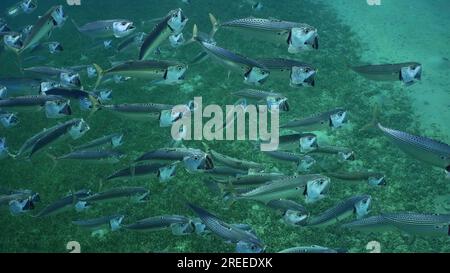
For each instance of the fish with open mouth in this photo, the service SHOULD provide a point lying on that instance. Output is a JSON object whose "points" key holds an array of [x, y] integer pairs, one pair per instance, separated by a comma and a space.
{"points": [[193, 159], [159, 72], [408, 73], [104, 29], [292, 212], [68, 202], [428, 150], [58, 109], [29, 103], [234, 162], [8, 119], [6, 196], [138, 111], [335, 118], [74, 128], [310, 186], [358, 205], [245, 240], [299, 73], [135, 194], [373, 178], [88, 100], [254, 72], [302, 162], [13, 41], [54, 17], [426, 224], [135, 171], [272, 99], [4, 28], [172, 24], [112, 222], [114, 140], [162, 222], [24, 6], [343, 153], [297, 36], [249, 180]]}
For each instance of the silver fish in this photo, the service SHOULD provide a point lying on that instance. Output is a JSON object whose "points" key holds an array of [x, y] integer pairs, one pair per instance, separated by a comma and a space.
{"points": [[254, 72], [358, 205], [344, 154], [114, 140], [43, 27], [430, 151], [408, 73], [157, 223], [135, 171], [272, 99], [293, 213], [112, 221], [373, 178], [75, 128], [136, 194], [117, 28], [172, 24], [297, 36], [47, 70], [29, 103], [225, 171], [255, 179], [98, 156], [409, 222], [138, 111], [311, 186], [334, 118], [226, 231], [63, 204], [23, 6], [159, 72], [234, 162], [299, 73], [193, 159], [311, 249], [21, 86]]}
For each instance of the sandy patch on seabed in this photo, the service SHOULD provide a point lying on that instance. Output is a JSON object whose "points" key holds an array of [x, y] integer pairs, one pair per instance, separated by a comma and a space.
{"points": [[409, 30]]}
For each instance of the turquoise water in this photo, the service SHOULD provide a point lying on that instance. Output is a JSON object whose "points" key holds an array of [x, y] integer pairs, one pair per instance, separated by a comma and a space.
{"points": [[411, 184]]}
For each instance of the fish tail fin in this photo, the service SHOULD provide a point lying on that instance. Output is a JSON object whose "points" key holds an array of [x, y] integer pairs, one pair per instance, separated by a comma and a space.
{"points": [[228, 193], [215, 25], [96, 103], [207, 148], [75, 24], [194, 33], [54, 159], [100, 73]]}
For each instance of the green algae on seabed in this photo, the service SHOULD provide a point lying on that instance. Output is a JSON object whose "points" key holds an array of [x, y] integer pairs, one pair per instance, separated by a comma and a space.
{"points": [[411, 184]]}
